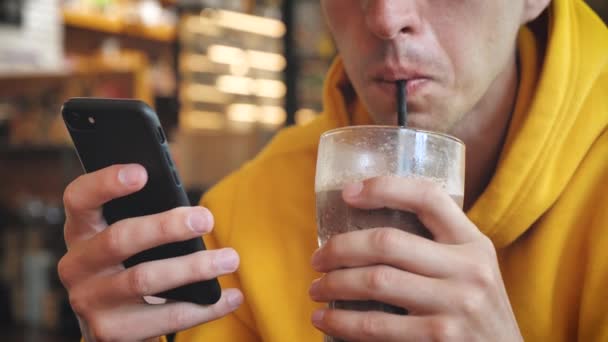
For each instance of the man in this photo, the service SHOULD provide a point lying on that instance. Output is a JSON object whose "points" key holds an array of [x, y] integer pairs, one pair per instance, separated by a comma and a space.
{"points": [[523, 83]]}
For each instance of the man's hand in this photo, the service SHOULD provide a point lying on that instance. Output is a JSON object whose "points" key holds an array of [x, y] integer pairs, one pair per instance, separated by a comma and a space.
{"points": [[451, 286], [106, 297]]}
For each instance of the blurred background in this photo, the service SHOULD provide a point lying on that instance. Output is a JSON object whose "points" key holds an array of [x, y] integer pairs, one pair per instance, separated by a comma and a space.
{"points": [[223, 75]]}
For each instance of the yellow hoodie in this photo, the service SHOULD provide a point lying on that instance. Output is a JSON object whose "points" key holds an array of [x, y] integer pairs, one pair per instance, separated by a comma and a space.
{"points": [[546, 208]]}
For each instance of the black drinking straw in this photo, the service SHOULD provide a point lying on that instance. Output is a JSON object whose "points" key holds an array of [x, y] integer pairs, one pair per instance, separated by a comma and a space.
{"points": [[402, 103]]}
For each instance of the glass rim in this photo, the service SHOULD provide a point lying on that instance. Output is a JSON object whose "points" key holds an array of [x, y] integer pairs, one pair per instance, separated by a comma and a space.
{"points": [[391, 128]]}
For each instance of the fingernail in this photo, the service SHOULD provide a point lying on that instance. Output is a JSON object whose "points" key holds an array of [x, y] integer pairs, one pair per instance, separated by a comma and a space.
{"points": [[234, 299], [198, 221], [352, 189], [317, 316], [226, 260], [316, 259], [129, 175], [314, 288]]}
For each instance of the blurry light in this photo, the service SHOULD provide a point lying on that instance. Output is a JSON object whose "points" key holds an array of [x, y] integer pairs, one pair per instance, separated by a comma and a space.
{"points": [[225, 54], [269, 88], [242, 112], [194, 62], [250, 23], [204, 93], [247, 86], [150, 12], [266, 60], [234, 56], [202, 25], [234, 84], [304, 116], [272, 115]]}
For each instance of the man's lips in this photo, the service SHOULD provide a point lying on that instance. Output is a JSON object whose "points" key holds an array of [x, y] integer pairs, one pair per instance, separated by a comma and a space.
{"points": [[413, 85], [387, 76]]}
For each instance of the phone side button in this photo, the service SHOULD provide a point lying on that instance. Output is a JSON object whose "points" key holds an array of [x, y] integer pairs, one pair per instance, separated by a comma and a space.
{"points": [[168, 156], [175, 178], [160, 135]]}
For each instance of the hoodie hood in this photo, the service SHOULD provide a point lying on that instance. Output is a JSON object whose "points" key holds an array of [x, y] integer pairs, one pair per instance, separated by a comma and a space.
{"points": [[561, 110]]}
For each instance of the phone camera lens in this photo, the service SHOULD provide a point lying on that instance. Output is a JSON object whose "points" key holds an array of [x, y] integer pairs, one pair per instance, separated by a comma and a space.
{"points": [[79, 121]]}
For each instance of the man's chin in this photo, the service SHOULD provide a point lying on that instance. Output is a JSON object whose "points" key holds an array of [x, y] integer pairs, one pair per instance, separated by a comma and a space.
{"points": [[425, 122]]}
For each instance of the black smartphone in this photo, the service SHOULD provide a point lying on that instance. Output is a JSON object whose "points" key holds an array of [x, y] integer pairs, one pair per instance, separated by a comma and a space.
{"points": [[121, 131]]}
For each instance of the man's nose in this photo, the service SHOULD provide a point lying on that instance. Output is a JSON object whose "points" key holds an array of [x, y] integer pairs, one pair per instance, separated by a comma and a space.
{"points": [[389, 18]]}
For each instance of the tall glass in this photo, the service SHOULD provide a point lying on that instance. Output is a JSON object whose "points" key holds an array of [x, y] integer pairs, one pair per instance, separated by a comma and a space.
{"points": [[357, 153]]}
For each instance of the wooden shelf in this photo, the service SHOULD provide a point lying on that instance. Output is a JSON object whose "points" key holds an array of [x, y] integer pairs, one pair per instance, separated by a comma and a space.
{"points": [[115, 25], [17, 75], [131, 64]]}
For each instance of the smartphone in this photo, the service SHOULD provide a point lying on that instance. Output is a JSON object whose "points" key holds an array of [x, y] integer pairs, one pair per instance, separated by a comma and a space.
{"points": [[122, 131]]}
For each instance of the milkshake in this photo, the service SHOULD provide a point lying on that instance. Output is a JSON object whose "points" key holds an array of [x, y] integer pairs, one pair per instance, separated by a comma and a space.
{"points": [[334, 216], [354, 154]]}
